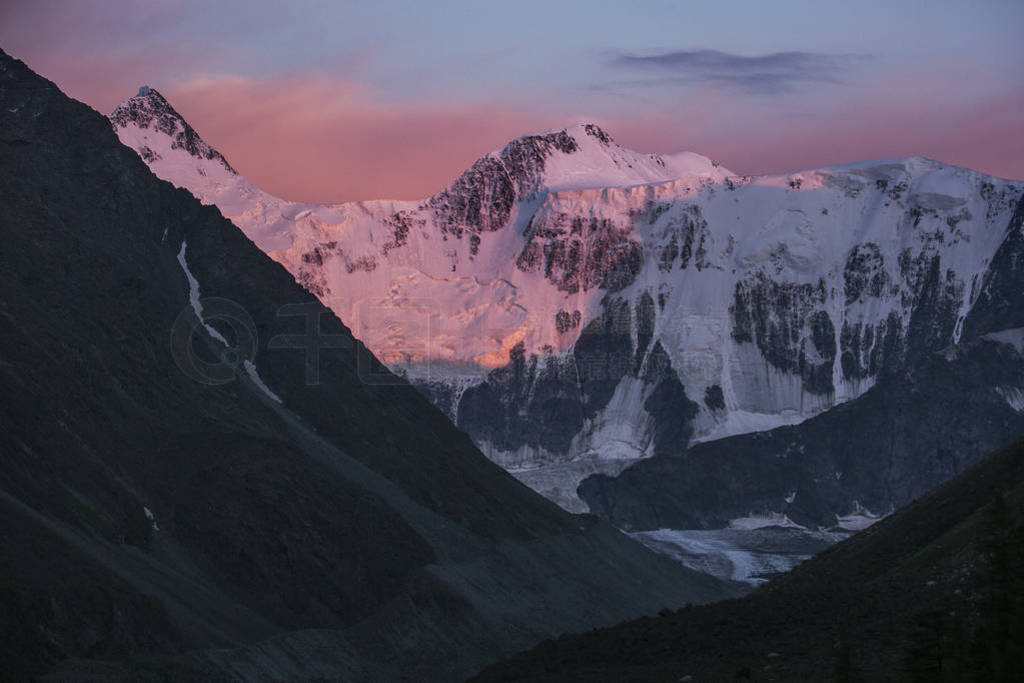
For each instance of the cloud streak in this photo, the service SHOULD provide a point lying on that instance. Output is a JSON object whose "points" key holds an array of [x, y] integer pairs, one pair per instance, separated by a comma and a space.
{"points": [[768, 74]]}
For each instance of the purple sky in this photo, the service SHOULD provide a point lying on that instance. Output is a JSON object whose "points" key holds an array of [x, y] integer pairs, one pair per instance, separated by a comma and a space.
{"points": [[337, 100]]}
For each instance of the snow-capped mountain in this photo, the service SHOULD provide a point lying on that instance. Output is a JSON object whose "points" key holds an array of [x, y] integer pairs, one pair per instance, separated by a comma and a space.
{"points": [[575, 306]]}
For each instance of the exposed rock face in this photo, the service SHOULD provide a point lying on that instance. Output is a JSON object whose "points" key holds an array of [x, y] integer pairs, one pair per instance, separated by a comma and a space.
{"points": [[177, 476], [577, 254], [481, 199], [545, 402], [792, 331]]}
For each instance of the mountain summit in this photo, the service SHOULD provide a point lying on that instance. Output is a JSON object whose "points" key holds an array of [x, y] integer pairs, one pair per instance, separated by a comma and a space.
{"points": [[584, 156], [156, 130]]}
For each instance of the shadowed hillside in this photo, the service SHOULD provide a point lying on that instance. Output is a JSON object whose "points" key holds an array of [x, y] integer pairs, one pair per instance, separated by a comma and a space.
{"points": [[932, 593]]}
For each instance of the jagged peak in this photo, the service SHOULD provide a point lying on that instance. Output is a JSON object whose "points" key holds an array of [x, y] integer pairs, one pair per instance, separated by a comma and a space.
{"points": [[584, 155], [568, 139], [577, 131], [576, 157], [144, 100], [149, 110]]}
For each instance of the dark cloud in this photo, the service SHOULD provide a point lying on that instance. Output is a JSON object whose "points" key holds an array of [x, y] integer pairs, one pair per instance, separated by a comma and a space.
{"points": [[774, 73]]}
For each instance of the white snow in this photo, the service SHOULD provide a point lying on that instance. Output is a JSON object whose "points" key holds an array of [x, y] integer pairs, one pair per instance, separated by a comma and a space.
{"points": [[250, 369], [617, 432], [771, 519], [744, 422], [602, 165], [1014, 397], [861, 518], [855, 522], [193, 296]]}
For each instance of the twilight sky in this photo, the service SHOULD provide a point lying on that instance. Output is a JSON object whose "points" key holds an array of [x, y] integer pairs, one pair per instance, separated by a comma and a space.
{"points": [[334, 100]]}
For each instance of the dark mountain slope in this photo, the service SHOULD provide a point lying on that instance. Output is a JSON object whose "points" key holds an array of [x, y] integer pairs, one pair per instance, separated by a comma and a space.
{"points": [[932, 593], [304, 519]]}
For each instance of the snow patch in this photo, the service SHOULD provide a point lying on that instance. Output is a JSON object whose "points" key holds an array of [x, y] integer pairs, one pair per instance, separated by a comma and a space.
{"points": [[1014, 396], [772, 519], [745, 422], [616, 433], [861, 518], [151, 518], [193, 296], [250, 369], [855, 522]]}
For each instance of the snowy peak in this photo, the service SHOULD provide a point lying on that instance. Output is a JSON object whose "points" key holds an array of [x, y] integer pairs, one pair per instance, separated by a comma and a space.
{"points": [[173, 150], [578, 157], [584, 156], [143, 121], [600, 162]]}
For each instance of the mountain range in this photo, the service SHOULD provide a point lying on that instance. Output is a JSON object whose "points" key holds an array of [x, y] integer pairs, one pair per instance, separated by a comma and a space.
{"points": [[248, 438], [659, 340]]}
